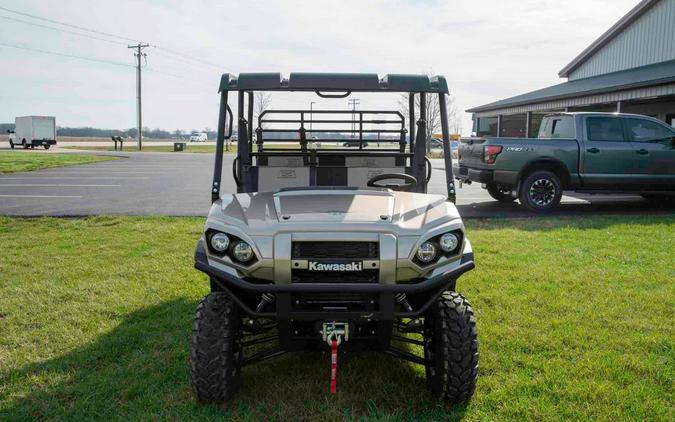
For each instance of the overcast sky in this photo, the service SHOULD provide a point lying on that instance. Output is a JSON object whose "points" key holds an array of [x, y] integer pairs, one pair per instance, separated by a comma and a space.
{"points": [[487, 50]]}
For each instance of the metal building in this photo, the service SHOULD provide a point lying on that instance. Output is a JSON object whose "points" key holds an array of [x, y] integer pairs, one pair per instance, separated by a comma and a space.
{"points": [[630, 68]]}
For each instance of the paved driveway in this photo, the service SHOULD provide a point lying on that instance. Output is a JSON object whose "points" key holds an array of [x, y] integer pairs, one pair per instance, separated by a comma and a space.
{"points": [[179, 183]]}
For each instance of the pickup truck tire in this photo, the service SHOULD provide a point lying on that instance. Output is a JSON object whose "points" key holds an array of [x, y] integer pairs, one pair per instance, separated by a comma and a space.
{"points": [[499, 194], [215, 352], [540, 191], [451, 344]]}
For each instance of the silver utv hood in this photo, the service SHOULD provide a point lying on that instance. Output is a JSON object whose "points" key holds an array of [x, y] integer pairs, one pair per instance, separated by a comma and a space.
{"points": [[334, 206], [266, 213]]}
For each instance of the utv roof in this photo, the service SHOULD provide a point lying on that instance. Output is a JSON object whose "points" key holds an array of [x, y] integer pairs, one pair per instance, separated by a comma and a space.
{"points": [[341, 82]]}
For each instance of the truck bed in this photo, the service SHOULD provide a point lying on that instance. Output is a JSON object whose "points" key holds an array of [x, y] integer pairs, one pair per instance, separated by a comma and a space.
{"points": [[515, 155]]}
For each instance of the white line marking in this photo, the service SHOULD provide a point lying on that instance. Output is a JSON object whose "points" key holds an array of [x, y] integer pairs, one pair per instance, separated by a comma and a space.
{"points": [[71, 177], [39, 196], [57, 185]]}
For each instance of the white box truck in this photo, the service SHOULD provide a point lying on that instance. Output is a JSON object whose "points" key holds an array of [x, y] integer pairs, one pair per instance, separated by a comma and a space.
{"points": [[32, 131]]}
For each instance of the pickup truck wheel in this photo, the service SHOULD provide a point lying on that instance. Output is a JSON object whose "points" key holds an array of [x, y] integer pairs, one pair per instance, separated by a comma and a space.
{"points": [[540, 191], [500, 194], [215, 351], [451, 345]]}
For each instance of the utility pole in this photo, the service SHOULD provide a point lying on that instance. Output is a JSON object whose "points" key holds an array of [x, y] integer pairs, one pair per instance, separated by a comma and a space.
{"points": [[138, 54], [353, 103]]}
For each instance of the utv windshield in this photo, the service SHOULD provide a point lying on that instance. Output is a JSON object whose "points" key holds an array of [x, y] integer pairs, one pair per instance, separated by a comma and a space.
{"points": [[279, 148]]}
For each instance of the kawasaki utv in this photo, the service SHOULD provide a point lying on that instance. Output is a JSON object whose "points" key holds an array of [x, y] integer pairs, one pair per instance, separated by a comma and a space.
{"points": [[332, 248]]}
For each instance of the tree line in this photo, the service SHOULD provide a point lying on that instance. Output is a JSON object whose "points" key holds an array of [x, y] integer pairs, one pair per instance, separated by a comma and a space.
{"points": [[104, 133]]}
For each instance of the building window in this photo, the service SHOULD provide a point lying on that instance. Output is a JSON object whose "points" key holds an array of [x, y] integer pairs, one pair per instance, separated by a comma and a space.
{"points": [[486, 126], [513, 126]]}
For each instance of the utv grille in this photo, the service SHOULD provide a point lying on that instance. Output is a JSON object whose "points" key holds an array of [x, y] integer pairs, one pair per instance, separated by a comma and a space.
{"points": [[305, 276], [341, 250]]}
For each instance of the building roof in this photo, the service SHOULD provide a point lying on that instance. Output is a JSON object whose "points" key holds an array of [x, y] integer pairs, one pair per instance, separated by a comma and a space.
{"points": [[653, 74], [612, 32], [335, 82]]}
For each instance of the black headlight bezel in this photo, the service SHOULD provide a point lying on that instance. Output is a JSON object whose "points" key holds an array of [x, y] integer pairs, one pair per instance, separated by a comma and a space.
{"points": [[435, 240], [228, 252]]}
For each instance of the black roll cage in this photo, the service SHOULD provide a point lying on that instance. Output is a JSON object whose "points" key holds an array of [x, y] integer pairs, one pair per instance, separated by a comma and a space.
{"points": [[245, 154]]}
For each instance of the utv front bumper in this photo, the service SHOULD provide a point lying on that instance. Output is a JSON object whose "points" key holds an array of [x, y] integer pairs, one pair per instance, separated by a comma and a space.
{"points": [[382, 301]]}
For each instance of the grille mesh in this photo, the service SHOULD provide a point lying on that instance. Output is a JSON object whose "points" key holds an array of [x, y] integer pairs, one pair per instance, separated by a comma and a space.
{"points": [[306, 276], [341, 250]]}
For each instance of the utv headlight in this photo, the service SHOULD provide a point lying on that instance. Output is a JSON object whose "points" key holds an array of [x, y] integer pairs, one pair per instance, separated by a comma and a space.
{"points": [[448, 242], [242, 251], [220, 242], [426, 252]]}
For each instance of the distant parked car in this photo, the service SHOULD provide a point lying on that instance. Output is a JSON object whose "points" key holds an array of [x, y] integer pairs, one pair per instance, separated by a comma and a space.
{"points": [[354, 143], [436, 143], [198, 137]]}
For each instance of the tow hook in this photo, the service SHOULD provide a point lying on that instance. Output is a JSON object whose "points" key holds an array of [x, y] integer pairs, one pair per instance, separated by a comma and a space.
{"points": [[264, 300], [333, 333]]}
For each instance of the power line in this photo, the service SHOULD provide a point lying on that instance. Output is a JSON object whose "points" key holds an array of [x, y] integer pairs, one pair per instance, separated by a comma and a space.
{"points": [[62, 30], [94, 31], [161, 72], [185, 56], [68, 25], [72, 56]]}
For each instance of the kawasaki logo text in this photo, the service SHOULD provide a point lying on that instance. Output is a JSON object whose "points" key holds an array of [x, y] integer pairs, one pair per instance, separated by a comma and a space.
{"points": [[318, 266]]}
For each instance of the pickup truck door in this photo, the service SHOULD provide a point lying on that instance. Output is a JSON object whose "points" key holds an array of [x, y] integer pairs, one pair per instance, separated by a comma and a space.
{"points": [[607, 157], [653, 146]]}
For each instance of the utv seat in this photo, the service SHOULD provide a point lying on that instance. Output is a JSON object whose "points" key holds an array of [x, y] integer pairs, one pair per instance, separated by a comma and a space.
{"points": [[282, 171]]}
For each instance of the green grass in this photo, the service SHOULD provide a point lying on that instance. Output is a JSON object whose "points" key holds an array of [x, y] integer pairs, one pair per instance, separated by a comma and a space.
{"points": [[575, 321], [11, 162]]}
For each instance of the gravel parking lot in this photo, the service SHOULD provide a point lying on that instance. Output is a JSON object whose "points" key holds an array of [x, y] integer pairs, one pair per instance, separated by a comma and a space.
{"points": [[178, 184]]}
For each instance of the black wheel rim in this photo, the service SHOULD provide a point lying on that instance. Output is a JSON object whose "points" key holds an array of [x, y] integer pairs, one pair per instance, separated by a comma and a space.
{"points": [[542, 192]]}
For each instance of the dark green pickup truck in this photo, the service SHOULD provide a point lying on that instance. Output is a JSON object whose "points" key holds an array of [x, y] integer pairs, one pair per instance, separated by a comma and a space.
{"points": [[584, 152]]}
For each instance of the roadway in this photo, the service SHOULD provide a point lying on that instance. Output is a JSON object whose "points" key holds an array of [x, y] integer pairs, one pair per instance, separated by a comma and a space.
{"points": [[178, 184]]}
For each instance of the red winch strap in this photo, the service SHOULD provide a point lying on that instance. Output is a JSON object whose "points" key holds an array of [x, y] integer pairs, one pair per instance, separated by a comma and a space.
{"points": [[333, 366]]}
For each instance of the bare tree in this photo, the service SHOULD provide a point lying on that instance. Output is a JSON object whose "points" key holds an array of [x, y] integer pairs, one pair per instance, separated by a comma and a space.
{"points": [[433, 112], [261, 103]]}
